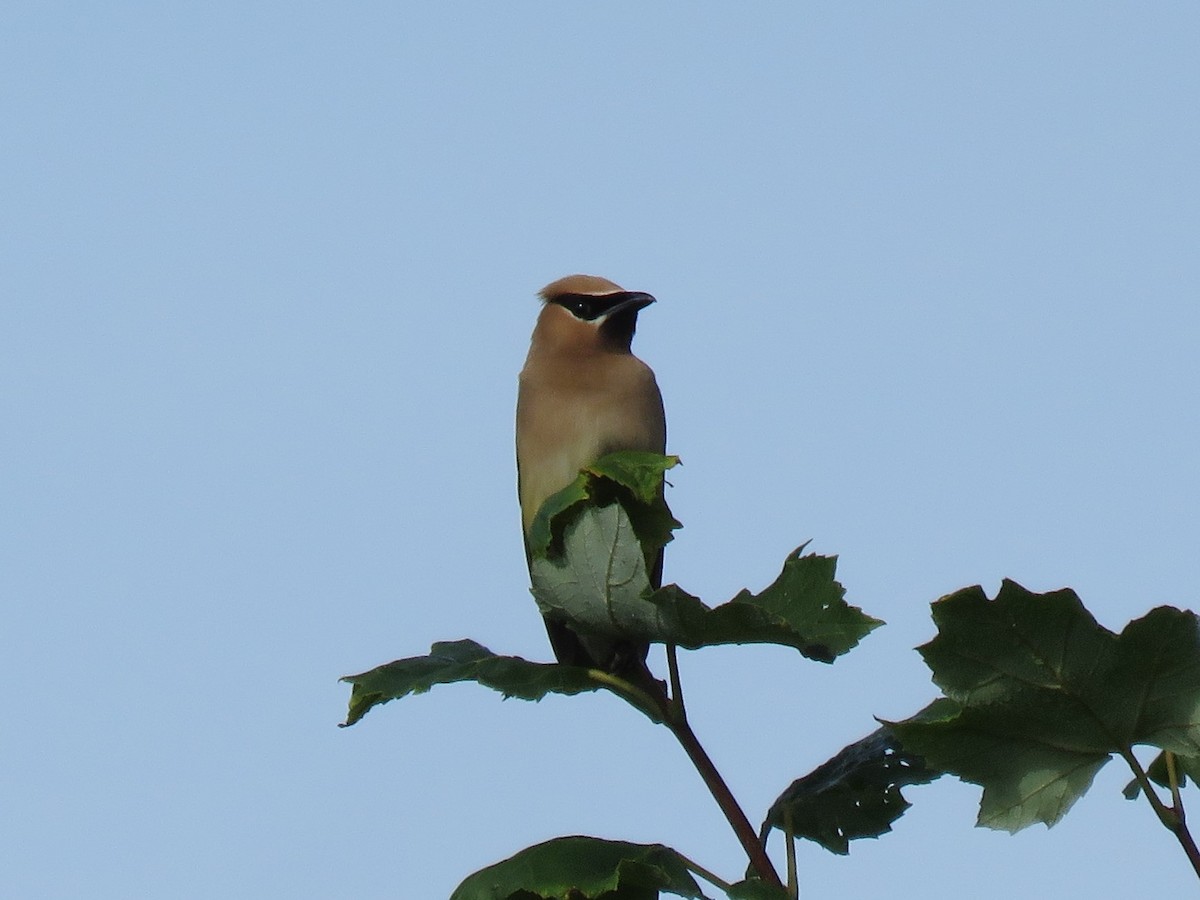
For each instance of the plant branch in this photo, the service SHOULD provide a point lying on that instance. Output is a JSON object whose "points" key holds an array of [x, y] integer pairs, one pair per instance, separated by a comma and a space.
{"points": [[1164, 812], [670, 712], [716, 785], [1188, 843], [1172, 819]]}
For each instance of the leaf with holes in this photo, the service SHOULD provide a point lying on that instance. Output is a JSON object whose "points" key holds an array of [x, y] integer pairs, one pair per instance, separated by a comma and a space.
{"points": [[856, 794]]}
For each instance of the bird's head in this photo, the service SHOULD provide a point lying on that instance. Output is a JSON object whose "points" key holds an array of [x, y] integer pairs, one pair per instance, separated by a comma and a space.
{"points": [[589, 313]]}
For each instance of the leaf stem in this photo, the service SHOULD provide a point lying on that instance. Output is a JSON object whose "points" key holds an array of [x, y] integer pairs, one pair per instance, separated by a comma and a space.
{"points": [[708, 876], [793, 881], [676, 685], [1173, 778], [632, 694], [1172, 819]]}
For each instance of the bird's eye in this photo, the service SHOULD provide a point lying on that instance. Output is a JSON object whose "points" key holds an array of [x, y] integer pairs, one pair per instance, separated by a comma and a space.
{"points": [[580, 307]]}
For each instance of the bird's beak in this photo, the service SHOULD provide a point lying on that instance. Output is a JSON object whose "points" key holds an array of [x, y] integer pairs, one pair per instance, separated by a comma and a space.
{"points": [[633, 300]]}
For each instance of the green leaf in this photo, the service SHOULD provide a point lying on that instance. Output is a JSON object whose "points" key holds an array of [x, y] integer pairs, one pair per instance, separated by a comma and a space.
{"points": [[1024, 780], [554, 510], [582, 868], [638, 470], [452, 661], [590, 550], [632, 478], [804, 608], [1038, 697], [599, 586], [856, 794]]}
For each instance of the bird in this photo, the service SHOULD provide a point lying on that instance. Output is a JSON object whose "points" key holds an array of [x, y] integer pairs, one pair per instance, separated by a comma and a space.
{"points": [[582, 394]]}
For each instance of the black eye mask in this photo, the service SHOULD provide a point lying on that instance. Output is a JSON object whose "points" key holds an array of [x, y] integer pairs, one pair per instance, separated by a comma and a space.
{"points": [[589, 307]]}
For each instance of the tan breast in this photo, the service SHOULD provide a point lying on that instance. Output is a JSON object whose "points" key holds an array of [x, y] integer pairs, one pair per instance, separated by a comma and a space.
{"points": [[569, 415]]}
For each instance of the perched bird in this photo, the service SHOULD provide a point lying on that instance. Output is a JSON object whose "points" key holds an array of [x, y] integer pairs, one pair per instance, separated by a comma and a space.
{"points": [[584, 394]]}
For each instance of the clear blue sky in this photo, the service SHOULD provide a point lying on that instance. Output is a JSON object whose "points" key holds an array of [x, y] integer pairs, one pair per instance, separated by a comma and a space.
{"points": [[928, 283]]}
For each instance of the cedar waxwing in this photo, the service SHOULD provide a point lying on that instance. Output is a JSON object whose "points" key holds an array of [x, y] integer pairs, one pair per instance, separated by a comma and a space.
{"points": [[584, 394]]}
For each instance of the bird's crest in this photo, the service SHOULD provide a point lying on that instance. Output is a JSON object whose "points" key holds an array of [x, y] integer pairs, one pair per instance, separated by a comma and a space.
{"points": [[592, 285]]}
